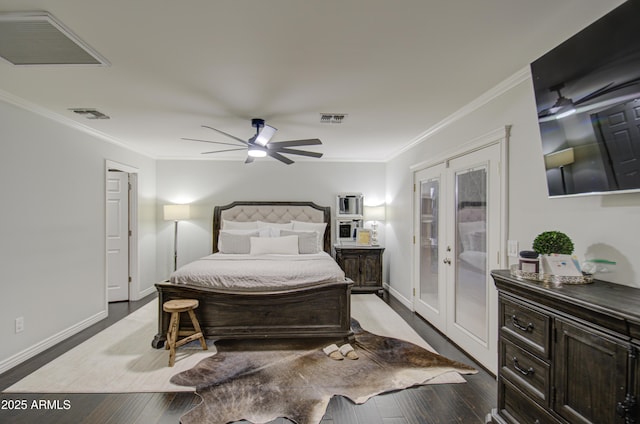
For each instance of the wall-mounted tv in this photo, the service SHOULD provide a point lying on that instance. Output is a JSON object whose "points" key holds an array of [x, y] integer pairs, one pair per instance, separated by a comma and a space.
{"points": [[587, 94]]}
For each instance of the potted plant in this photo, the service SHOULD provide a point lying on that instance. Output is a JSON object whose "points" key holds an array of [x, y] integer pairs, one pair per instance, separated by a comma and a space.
{"points": [[550, 242], [555, 249]]}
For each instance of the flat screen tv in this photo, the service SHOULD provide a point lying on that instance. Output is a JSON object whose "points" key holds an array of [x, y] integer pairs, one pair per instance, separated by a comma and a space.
{"points": [[587, 93]]}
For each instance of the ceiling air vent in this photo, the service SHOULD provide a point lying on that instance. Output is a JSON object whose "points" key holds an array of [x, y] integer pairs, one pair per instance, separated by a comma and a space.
{"points": [[90, 113], [37, 38], [332, 118]]}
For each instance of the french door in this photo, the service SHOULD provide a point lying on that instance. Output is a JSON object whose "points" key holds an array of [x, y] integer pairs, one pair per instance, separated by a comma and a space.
{"points": [[458, 204]]}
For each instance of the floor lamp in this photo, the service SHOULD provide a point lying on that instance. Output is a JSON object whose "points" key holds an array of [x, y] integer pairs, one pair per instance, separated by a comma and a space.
{"points": [[559, 160], [176, 213]]}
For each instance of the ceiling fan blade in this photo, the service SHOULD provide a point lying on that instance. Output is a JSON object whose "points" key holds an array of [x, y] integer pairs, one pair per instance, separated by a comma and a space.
{"points": [[226, 150], [593, 94], [294, 143], [208, 141], [609, 89], [278, 156], [545, 112], [249, 159], [228, 135], [299, 152]]}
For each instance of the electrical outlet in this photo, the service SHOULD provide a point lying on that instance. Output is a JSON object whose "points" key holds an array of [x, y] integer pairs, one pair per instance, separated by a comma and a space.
{"points": [[512, 248], [19, 324]]}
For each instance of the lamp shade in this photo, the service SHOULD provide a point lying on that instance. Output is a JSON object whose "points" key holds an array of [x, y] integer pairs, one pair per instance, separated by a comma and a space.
{"points": [[176, 212], [374, 213], [560, 158]]}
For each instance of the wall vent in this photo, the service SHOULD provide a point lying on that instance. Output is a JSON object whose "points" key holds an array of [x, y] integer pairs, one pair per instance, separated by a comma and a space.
{"points": [[37, 38], [332, 118]]}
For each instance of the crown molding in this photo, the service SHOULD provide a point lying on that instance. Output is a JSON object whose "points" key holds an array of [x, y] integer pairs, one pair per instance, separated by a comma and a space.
{"points": [[519, 77], [32, 107]]}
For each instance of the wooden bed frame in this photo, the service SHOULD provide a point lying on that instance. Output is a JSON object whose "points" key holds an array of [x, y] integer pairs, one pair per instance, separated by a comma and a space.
{"points": [[322, 311]]}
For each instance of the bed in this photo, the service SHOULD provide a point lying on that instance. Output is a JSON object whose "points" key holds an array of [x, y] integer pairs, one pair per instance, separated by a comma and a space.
{"points": [[298, 309]]}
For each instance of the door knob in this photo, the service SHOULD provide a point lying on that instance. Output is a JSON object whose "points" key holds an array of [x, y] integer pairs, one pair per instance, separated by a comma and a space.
{"points": [[447, 261]]}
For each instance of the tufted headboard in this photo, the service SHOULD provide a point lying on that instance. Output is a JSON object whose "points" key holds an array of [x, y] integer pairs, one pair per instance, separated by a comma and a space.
{"points": [[276, 212]]}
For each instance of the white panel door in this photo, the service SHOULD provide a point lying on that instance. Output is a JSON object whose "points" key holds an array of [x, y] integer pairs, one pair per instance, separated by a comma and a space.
{"points": [[117, 236]]}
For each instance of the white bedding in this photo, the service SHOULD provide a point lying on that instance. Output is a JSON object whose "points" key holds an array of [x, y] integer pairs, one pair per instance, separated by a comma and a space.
{"points": [[259, 272]]}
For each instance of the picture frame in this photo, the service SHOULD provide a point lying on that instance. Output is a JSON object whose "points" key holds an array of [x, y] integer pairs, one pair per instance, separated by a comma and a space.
{"points": [[561, 265], [363, 237]]}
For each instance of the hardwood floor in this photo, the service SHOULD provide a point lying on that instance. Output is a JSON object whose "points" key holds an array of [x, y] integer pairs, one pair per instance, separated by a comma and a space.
{"points": [[450, 403]]}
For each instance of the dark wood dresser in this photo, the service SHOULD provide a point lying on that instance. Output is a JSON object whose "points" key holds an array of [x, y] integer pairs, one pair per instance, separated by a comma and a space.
{"points": [[567, 353], [362, 264]]}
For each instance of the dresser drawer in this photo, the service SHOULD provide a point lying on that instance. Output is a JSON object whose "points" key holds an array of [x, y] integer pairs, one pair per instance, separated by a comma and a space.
{"points": [[517, 408], [527, 372], [527, 327]]}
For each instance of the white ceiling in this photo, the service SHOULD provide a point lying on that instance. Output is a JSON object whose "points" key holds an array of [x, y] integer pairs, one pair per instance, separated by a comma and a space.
{"points": [[397, 68]]}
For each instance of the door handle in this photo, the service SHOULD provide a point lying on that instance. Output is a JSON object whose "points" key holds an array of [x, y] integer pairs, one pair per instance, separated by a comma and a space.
{"points": [[447, 261]]}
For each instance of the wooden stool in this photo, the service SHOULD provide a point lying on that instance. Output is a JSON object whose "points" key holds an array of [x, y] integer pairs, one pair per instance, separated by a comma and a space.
{"points": [[175, 307]]}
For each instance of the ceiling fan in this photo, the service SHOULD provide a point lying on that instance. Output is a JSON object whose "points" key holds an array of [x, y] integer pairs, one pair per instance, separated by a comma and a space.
{"points": [[260, 145], [566, 106]]}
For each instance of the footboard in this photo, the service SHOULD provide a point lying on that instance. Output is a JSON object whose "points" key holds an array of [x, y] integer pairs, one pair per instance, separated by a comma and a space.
{"points": [[322, 311]]}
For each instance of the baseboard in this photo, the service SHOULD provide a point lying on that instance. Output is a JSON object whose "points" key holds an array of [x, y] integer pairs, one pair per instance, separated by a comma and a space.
{"points": [[399, 297], [32, 351], [146, 292]]}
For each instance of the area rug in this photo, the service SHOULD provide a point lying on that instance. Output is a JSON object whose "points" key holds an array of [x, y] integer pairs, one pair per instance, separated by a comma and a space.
{"points": [[120, 359], [259, 382]]}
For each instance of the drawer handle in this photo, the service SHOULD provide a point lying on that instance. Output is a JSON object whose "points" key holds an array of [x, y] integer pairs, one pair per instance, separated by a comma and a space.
{"points": [[521, 370], [516, 323]]}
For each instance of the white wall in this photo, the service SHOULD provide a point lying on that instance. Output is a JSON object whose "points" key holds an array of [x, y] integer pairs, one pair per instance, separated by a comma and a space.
{"points": [[600, 226], [52, 228], [206, 184]]}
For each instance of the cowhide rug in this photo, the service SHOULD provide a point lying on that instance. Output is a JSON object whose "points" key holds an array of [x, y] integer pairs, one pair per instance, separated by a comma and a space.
{"points": [[260, 381]]}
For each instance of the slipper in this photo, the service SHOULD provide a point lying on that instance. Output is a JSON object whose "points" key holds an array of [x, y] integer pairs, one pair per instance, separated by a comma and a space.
{"points": [[348, 352], [333, 352]]}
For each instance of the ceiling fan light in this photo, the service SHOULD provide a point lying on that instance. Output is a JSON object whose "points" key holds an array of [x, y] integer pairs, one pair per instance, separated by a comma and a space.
{"points": [[265, 135], [256, 152]]}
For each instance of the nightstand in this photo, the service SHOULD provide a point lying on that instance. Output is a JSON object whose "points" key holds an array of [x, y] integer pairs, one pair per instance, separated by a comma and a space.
{"points": [[362, 264]]}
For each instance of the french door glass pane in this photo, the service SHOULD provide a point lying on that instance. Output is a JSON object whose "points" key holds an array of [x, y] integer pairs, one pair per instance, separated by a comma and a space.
{"points": [[429, 192], [471, 264]]}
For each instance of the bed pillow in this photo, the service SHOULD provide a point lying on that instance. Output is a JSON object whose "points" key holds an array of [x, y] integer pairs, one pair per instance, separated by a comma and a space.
{"points": [[262, 232], [478, 241], [274, 228], [307, 240], [274, 245], [465, 229], [239, 225], [318, 227], [284, 226], [236, 241]]}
